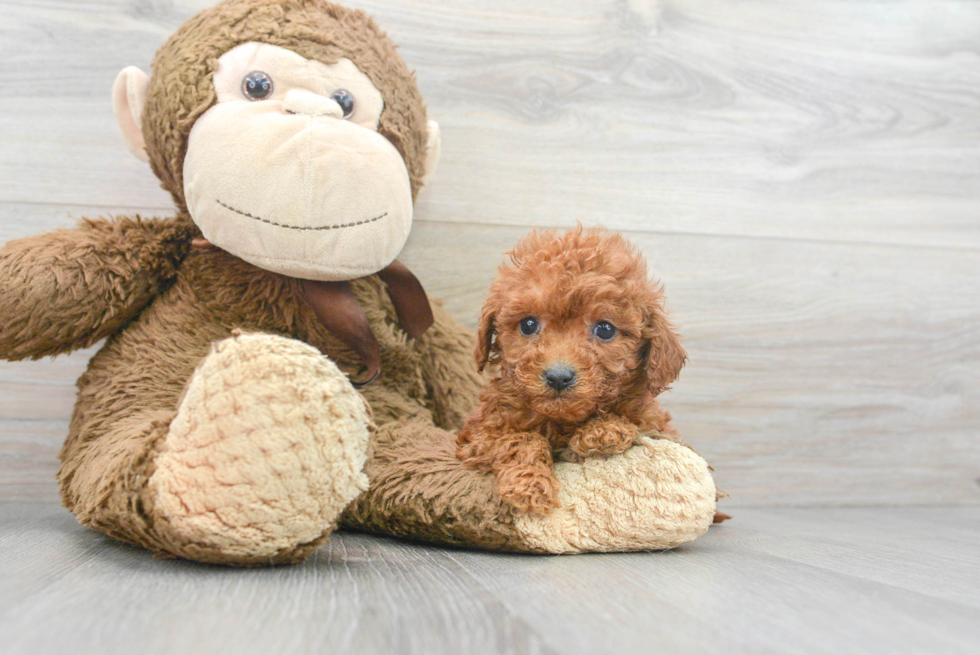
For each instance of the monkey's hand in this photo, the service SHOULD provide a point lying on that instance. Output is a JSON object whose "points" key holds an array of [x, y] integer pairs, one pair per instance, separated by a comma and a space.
{"points": [[609, 435], [69, 288]]}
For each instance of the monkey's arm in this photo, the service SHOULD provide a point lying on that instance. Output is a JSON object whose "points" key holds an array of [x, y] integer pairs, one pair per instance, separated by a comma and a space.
{"points": [[69, 288], [449, 368]]}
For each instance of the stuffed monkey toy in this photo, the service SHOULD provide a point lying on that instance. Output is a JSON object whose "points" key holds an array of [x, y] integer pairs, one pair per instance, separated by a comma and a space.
{"points": [[270, 371]]}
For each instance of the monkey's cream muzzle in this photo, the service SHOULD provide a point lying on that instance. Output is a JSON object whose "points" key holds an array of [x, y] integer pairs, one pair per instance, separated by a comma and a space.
{"points": [[287, 170], [293, 188]]}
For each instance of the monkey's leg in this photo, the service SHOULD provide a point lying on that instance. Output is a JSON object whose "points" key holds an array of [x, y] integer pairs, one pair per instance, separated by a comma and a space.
{"points": [[657, 495], [263, 452]]}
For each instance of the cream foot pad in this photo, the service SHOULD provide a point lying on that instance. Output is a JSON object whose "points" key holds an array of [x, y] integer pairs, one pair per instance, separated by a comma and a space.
{"points": [[267, 448]]}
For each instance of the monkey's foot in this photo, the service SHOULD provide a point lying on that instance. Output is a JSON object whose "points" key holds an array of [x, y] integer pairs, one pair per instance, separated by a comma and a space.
{"points": [[656, 495], [266, 450]]}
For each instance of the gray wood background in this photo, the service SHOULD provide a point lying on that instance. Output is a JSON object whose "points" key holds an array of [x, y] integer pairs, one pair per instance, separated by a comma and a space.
{"points": [[804, 176]]}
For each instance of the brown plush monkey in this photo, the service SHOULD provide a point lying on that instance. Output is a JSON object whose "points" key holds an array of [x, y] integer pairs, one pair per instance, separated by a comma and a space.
{"points": [[218, 422]]}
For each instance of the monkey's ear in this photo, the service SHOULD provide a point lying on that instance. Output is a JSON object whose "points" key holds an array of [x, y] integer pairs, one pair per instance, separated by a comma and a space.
{"points": [[432, 149], [128, 99]]}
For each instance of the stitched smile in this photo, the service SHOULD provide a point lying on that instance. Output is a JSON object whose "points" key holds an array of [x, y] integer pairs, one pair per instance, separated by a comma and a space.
{"points": [[300, 227]]}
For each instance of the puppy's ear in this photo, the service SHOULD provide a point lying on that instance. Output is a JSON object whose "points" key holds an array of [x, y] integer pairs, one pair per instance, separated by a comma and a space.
{"points": [[485, 344], [665, 356]]}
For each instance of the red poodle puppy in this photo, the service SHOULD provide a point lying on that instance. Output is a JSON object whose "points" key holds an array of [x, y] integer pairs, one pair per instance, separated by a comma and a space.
{"points": [[583, 346]]}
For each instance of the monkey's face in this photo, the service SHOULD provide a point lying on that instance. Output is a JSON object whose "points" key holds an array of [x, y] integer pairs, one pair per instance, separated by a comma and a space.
{"points": [[288, 172], [287, 169]]}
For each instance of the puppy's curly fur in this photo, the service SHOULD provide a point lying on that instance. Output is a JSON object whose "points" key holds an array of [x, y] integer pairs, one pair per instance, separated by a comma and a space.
{"points": [[605, 389]]}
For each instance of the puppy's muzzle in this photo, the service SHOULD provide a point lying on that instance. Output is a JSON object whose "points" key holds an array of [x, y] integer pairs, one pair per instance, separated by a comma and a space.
{"points": [[560, 377]]}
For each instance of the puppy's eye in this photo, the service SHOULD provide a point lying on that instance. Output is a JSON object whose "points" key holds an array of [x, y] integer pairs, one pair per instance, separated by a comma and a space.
{"points": [[346, 101], [529, 326], [257, 86], [604, 331]]}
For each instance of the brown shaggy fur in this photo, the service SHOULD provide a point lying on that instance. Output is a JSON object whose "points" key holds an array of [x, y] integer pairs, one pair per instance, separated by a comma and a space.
{"points": [[161, 304], [568, 283]]}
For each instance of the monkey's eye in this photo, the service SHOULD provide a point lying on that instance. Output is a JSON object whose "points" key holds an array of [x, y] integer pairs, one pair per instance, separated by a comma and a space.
{"points": [[529, 326], [346, 101], [257, 86], [604, 331]]}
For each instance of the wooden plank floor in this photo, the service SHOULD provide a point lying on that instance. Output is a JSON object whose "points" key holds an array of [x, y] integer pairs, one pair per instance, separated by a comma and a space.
{"points": [[852, 580]]}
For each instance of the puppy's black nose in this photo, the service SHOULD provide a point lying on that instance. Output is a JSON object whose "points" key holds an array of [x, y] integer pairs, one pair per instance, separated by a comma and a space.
{"points": [[560, 377]]}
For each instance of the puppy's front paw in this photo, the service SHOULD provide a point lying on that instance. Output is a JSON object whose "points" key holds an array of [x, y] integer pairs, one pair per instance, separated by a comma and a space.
{"points": [[533, 492], [611, 435]]}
